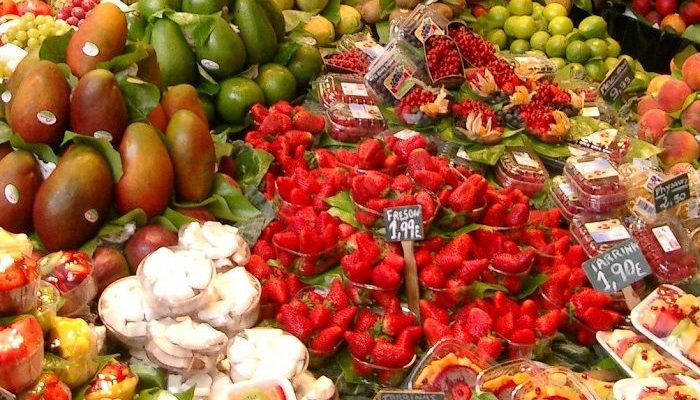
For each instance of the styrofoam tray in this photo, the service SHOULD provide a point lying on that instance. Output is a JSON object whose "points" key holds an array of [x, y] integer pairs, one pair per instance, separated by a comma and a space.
{"points": [[639, 386], [602, 338]]}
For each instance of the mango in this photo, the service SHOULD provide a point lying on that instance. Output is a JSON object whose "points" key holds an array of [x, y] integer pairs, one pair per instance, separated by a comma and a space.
{"points": [[5, 149], [73, 201], [203, 7], [223, 54], [175, 58], [274, 14], [192, 152], [257, 31], [21, 71], [158, 119], [148, 68], [97, 107], [19, 181], [147, 182], [40, 107], [135, 26], [183, 97], [101, 37], [150, 7]]}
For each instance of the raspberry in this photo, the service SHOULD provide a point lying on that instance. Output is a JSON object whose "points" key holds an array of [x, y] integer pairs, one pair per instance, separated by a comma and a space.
{"points": [[353, 60]]}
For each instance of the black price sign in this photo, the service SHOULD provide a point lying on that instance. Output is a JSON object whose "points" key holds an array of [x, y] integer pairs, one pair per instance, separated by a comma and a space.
{"points": [[618, 268], [616, 81], [671, 192], [408, 395], [403, 223]]}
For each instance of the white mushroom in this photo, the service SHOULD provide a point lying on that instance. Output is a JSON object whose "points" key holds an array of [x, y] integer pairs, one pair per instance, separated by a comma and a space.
{"points": [[266, 352]]}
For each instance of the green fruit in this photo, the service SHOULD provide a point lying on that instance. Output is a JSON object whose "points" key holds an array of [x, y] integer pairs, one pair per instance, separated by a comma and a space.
{"points": [[223, 53], [520, 7], [525, 27], [284, 4], [577, 68], [593, 26], [306, 64], [150, 7], [630, 61], [541, 23], [610, 62], [135, 26], [556, 46], [277, 83], [537, 10], [559, 62], [175, 58], [274, 15], [578, 52], [539, 40], [256, 30], [498, 37], [498, 15], [614, 49], [599, 48], [350, 20], [20, 178], [519, 46], [560, 26], [209, 107], [203, 7], [510, 25], [312, 6], [321, 29], [553, 10], [596, 70], [236, 96], [575, 34], [642, 76]]}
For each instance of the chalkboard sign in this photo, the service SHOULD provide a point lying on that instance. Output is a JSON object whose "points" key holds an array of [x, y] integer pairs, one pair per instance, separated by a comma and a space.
{"points": [[403, 223], [671, 192], [618, 268], [408, 395], [616, 81]]}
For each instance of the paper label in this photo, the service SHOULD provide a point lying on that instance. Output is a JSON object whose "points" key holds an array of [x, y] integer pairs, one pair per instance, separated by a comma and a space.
{"points": [[693, 208], [91, 215], [46, 117], [461, 153], [525, 159], [209, 64], [354, 89], [596, 169], [370, 47], [426, 29], [666, 238], [610, 230], [601, 139], [103, 135], [653, 180], [365, 111], [644, 208], [643, 163], [405, 134], [399, 82], [575, 151], [90, 49], [12, 194], [6, 96], [568, 191], [590, 112]]}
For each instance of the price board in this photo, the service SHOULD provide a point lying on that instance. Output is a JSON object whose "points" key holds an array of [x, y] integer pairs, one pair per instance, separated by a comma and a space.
{"points": [[671, 192], [403, 223], [408, 395], [616, 81], [618, 268]]}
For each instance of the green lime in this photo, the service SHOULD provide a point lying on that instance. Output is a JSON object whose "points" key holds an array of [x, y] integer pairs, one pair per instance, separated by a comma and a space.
{"points": [[596, 70], [599, 48], [537, 52], [538, 41], [498, 37], [498, 16], [209, 108], [306, 64], [556, 46], [236, 96], [610, 62], [593, 27], [629, 59], [284, 4], [560, 26], [525, 27], [575, 34], [541, 22], [642, 76], [552, 10], [577, 67], [614, 49], [578, 52], [519, 46], [510, 24], [559, 62], [277, 83], [520, 7], [537, 10]]}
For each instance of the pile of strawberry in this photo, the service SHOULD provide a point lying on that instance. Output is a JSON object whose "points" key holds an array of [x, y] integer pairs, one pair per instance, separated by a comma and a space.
{"points": [[318, 319], [278, 286], [434, 173], [311, 187], [369, 261]]}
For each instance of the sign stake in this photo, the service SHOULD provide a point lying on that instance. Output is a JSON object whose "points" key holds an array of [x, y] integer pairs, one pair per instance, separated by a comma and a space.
{"points": [[412, 291]]}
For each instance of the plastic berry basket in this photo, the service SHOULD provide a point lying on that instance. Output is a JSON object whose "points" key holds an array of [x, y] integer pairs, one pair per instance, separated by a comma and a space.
{"points": [[335, 88], [607, 141], [394, 73], [502, 379], [384, 375], [21, 299], [596, 180], [422, 23], [553, 382], [523, 170], [332, 66], [306, 264], [565, 198], [350, 122], [448, 81], [364, 294], [598, 233]]}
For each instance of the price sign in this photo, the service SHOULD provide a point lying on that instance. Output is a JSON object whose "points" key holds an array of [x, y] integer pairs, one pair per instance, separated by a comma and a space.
{"points": [[616, 81], [403, 223], [671, 192], [618, 268], [6, 395], [408, 395]]}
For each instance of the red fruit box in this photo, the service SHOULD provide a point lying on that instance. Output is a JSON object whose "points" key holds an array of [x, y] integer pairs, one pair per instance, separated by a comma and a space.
{"points": [[596, 181], [554, 383], [335, 88], [522, 169], [563, 195], [502, 379], [350, 122], [667, 318], [444, 65], [598, 233]]}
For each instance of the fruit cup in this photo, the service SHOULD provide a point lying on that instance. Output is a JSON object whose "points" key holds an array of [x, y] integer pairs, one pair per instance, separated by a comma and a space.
{"points": [[596, 181], [318, 358], [19, 283], [72, 273], [306, 264], [47, 305], [502, 379], [335, 88], [598, 233], [523, 170], [443, 61], [553, 383], [365, 294], [422, 23], [21, 354], [350, 122], [49, 387], [565, 198]]}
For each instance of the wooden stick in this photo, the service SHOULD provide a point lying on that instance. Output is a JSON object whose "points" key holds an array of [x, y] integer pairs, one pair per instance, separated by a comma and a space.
{"points": [[411, 278]]}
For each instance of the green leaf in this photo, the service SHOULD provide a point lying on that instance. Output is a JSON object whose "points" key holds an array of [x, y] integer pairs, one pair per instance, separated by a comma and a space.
{"points": [[239, 207], [323, 279], [149, 376], [72, 79], [103, 146], [383, 32], [207, 84], [133, 53], [483, 289], [681, 56], [343, 207], [530, 284], [155, 393], [285, 56], [188, 395], [549, 149], [327, 141], [177, 219], [5, 132], [43, 151], [586, 5], [251, 229], [332, 11], [483, 396], [642, 149], [294, 19], [115, 228], [344, 360], [53, 48], [140, 97], [386, 7], [692, 33], [251, 164]]}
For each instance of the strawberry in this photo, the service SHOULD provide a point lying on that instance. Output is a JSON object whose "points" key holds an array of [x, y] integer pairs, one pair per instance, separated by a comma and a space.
{"points": [[337, 297], [371, 153], [394, 261], [525, 321], [308, 242], [288, 240], [506, 263], [293, 322], [494, 215], [393, 324], [600, 319], [258, 112], [518, 215], [320, 316], [513, 284], [275, 123], [403, 148], [429, 309], [263, 249], [410, 337], [385, 277], [327, 339], [375, 184], [258, 267], [368, 247], [402, 184], [479, 322], [578, 278], [461, 332], [390, 355], [548, 323], [299, 306], [294, 284], [504, 304], [491, 347], [423, 258], [433, 277], [505, 324], [575, 256], [528, 307], [362, 368], [428, 180], [282, 107], [535, 238], [435, 330], [585, 337], [461, 391], [360, 272], [276, 290], [561, 245], [366, 320], [427, 204], [346, 230], [588, 297], [470, 270], [432, 244], [523, 336], [449, 258], [360, 344], [344, 317], [419, 160], [305, 121], [463, 198]]}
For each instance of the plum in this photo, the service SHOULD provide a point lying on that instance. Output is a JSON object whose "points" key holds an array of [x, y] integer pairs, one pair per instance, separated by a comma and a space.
{"points": [[146, 240]]}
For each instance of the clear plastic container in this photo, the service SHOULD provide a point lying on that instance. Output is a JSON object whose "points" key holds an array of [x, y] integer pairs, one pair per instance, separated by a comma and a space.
{"points": [[21, 354], [640, 181], [20, 299], [365, 294], [350, 122], [335, 88], [351, 61], [596, 180], [362, 41], [564, 196], [73, 274], [666, 387], [598, 233], [451, 59], [448, 363], [393, 74], [523, 170], [264, 387], [422, 23], [502, 379], [554, 382], [609, 142]]}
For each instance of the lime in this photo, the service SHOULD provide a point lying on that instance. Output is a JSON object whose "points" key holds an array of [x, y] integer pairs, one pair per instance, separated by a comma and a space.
{"points": [[599, 48], [642, 76], [509, 25], [277, 83], [560, 26], [614, 49], [629, 60], [538, 41], [498, 37], [520, 7], [498, 15], [519, 46], [596, 70], [610, 62], [578, 52], [284, 4], [525, 27], [552, 10], [575, 34], [556, 46], [209, 108], [559, 62], [236, 96], [537, 9], [594, 27], [306, 64], [576, 67], [541, 22], [537, 52]]}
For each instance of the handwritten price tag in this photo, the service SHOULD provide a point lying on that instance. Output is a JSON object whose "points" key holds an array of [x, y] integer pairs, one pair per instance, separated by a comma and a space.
{"points": [[404, 223], [671, 192], [618, 268], [616, 81], [408, 395]]}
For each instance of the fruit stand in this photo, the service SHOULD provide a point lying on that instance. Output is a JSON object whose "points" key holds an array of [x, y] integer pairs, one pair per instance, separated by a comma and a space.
{"points": [[344, 199]]}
